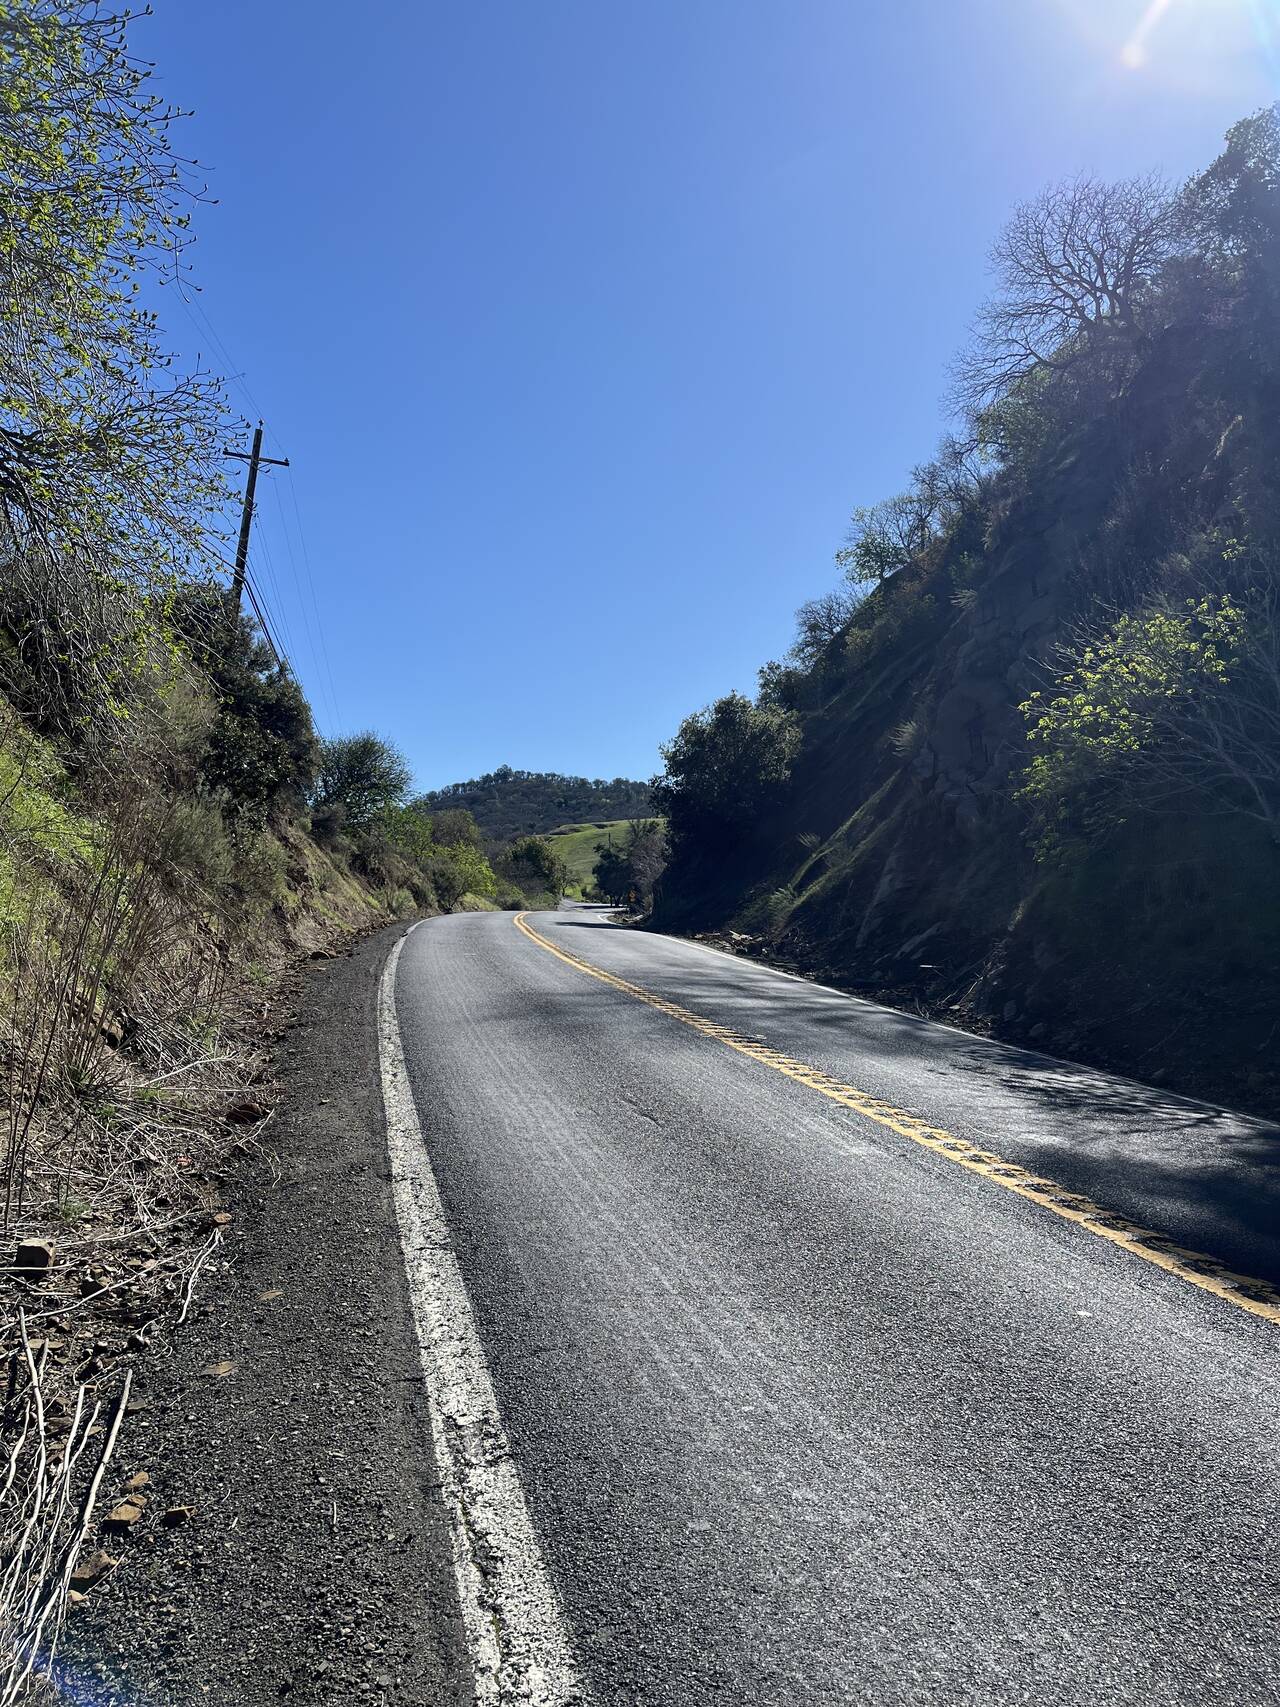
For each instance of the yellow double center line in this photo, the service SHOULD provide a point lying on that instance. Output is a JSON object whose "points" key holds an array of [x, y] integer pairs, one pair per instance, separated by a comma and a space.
{"points": [[1254, 1296]]}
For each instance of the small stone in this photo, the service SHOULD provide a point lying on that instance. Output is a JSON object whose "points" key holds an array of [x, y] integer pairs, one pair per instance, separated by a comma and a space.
{"points": [[136, 1483], [245, 1113], [90, 1569], [121, 1518], [177, 1515], [34, 1257]]}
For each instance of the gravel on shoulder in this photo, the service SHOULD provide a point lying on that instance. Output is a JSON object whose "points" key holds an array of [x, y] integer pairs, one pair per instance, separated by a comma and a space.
{"points": [[294, 1548]]}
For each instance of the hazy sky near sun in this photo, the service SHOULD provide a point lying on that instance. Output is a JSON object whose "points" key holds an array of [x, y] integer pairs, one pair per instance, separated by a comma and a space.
{"points": [[586, 325]]}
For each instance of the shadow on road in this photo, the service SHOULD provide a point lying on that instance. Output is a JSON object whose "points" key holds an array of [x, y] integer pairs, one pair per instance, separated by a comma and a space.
{"points": [[1209, 1177]]}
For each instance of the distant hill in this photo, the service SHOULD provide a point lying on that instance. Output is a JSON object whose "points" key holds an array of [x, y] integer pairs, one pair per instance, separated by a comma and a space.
{"points": [[509, 803]]}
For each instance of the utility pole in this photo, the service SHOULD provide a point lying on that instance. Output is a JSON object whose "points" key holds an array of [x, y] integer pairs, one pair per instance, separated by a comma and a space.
{"points": [[254, 458]]}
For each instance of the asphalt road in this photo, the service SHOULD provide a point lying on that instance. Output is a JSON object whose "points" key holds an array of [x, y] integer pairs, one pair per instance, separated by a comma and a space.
{"points": [[804, 1411]]}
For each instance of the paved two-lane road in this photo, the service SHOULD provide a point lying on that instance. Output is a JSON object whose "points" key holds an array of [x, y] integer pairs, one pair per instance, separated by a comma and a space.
{"points": [[803, 1410]]}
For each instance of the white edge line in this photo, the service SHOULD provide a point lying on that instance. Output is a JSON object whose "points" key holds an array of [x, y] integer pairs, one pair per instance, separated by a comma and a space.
{"points": [[515, 1631]]}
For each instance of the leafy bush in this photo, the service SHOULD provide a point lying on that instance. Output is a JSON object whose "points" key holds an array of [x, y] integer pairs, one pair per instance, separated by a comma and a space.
{"points": [[260, 754], [531, 864], [891, 618], [724, 767], [327, 824], [1166, 709], [364, 774], [457, 871]]}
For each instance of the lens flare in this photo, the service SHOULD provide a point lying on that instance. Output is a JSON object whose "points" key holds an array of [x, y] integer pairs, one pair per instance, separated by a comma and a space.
{"points": [[1134, 51], [1192, 47]]}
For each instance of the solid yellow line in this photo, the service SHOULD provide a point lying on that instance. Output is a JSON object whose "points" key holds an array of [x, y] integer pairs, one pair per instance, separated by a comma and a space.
{"points": [[1254, 1296]]}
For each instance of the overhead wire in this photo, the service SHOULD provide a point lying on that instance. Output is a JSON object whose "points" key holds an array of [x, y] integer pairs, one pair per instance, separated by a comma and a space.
{"points": [[204, 327], [314, 637]]}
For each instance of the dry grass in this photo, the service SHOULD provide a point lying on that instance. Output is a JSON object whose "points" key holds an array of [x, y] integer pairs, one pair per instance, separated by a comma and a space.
{"points": [[125, 1097], [53, 1470]]}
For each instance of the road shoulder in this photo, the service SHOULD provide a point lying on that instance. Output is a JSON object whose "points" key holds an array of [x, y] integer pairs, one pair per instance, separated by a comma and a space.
{"points": [[290, 1423]]}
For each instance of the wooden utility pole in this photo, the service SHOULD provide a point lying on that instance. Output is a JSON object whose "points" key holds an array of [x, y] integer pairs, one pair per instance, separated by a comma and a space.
{"points": [[254, 458]]}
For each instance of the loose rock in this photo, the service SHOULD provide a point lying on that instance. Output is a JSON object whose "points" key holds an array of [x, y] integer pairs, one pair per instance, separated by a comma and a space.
{"points": [[34, 1257]]}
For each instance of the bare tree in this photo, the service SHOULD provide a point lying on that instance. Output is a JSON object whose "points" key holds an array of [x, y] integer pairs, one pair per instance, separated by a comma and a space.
{"points": [[955, 479], [886, 537], [1073, 266], [820, 621]]}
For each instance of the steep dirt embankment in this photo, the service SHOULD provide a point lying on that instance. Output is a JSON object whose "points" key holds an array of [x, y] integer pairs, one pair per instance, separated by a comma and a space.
{"points": [[899, 864]]}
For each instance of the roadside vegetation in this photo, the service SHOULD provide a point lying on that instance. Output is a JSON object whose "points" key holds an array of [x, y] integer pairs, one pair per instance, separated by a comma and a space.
{"points": [[629, 867], [1020, 763], [173, 830]]}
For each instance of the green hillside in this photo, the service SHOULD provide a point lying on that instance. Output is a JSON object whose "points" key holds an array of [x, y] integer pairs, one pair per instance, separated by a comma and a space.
{"points": [[507, 803], [577, 845]]}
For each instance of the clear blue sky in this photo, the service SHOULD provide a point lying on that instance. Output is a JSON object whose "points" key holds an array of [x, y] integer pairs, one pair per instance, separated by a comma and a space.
{"points": [[586, 324]]}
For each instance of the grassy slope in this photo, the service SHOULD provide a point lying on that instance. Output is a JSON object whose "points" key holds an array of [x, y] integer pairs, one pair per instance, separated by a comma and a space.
{"points": [[577, 845]]}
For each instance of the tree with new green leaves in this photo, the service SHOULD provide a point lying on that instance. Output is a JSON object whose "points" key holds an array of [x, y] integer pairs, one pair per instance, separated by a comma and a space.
{"points": [[453, 827], [97, 430], [886, 537], [459, 870], [110, 456], [1167, 710], [364, 774], [725, 766], [533, 865], [1230, 213]]}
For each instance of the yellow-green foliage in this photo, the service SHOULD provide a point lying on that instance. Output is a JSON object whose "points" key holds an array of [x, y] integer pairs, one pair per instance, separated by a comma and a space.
{"points": [[475, 904], [472, 869], [39, 830], [1127, 720]]}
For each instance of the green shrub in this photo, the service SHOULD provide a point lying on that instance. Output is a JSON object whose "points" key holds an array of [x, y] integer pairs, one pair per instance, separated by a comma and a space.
{"points": [[364, 774], [259, 758], [1165, 710], [724, 767]]}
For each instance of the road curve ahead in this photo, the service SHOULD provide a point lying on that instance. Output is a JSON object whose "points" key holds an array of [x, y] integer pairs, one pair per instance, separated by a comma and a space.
{"points": [[821, 1397]]}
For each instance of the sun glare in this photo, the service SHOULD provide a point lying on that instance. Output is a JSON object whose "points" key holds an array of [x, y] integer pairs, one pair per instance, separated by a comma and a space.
{"points": [[1191, 45], [1134, 51]]}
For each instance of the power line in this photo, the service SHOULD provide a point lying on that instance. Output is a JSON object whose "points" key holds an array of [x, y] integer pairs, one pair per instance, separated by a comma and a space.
{"points": [[320, 653], [259, 612], [314, 641]]}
